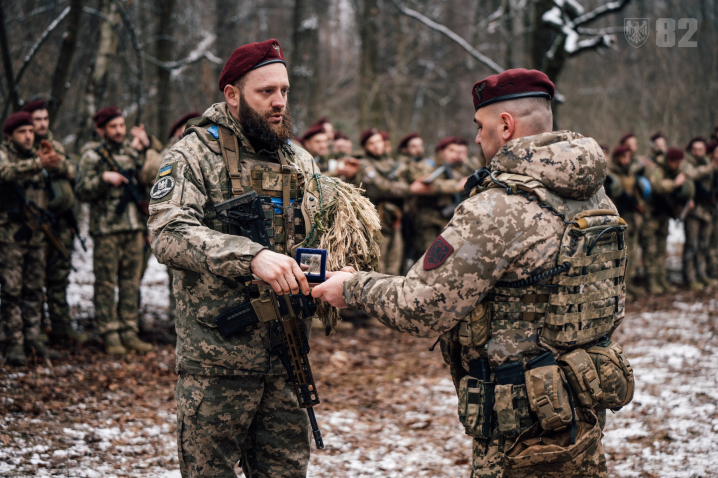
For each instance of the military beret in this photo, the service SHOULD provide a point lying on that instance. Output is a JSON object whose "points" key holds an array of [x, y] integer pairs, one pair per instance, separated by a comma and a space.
{"points": [[340, 135], [674, 154], [444, 143], [321, 121], [313, 131], [35, 105], [711, 147], [625, 137], [180, 122], [368, 133], [404, 142], [622, 149], [384, 135], [512, 85], [105, 115], [250, 57], [15, 120], [695, 140], [657, 134]]}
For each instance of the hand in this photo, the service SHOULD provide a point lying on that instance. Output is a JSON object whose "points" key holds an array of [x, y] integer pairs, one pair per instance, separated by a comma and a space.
{"points": [[418, 187], [331, 290], [680, 179], [347, 167], [140, 140], [48, 157], [280, 271], [461, 183], [114, 178]]}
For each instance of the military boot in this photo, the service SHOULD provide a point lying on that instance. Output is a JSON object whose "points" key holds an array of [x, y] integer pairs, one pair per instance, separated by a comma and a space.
{"points": [[113, 344], [39, 349], [16, 354], [132, 342], [64, 334], [654, 285], [667, 286], [696, 286], [708, 282]]}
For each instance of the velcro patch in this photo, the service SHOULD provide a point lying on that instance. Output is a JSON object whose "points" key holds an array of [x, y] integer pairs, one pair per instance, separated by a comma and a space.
{"points": [[162, 187], [437, 254], [167, 170]]}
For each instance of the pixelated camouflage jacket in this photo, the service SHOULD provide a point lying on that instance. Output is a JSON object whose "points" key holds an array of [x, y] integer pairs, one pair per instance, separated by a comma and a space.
{"points": [[208, 261], [700, 171], [102, 196], [667, 198], [493, 236]]}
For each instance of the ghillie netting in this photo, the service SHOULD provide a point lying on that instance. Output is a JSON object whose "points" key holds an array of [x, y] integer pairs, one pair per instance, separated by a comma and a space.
{"points": [[346, 224]]}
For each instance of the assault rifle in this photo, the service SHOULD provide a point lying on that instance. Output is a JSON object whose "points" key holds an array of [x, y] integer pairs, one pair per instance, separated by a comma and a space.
{"points": [[36, 219], [245, 216], [447, 211], [132, 191]]}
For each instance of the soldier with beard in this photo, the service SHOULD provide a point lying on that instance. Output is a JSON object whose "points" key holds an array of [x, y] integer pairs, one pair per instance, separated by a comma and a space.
{"points": [[117, 227], [234, 399]]}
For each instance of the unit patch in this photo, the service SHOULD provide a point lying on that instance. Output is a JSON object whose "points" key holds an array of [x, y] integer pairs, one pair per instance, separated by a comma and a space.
{"points": [[437, 254], [162, 187]]}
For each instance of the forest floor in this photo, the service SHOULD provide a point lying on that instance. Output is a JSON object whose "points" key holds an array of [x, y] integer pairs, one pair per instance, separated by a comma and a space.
{"points": [[388, 405]]}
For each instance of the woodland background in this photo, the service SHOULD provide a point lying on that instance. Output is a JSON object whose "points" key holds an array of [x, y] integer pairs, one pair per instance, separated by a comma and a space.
{"points": [[362, 62]]}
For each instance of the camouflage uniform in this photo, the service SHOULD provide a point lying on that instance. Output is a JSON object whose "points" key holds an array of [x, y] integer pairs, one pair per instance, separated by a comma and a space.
{"points": [[432, 212], [386, 181], [118, 239], [667, 200], [233, 398], [22, 251], [459, 287], [699, 222], [622, 187]]}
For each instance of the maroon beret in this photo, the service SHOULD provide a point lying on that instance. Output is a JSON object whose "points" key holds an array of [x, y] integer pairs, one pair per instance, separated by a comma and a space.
{"points": [[444, 143], [340, 135], [711, 147], [625, 137], [604, 147], [313, 131], [35, 105], [105, 115], [695, 140], [622, 149], [368, 133], [674, 153], [512, 85], [404, 142], [321, 121], [250, 57], [15, 120], [657, 134], [385, 135], [180, 122]]}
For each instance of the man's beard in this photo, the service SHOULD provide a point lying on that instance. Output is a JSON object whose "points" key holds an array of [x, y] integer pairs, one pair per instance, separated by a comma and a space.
{"points": [[259, 129]]}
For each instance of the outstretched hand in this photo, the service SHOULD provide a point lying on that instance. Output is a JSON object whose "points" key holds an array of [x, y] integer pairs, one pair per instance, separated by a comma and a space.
{"points": [[331, 290]]}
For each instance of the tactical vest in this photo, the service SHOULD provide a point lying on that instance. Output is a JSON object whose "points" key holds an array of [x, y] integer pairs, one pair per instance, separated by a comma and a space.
{"points": [[273, 177], [574, 305]]}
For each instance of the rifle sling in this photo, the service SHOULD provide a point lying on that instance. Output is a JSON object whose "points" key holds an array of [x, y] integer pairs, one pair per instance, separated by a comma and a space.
{"points": [[230, 153]]}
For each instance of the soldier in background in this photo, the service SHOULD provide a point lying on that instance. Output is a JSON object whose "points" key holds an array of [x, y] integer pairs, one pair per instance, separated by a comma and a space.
{"points": [[341, 146], [316, 141], [712, 150], [60, 184], [671, 194], [699, 222], [658, 147], [411, 147], [327, 126], [22, 244], [388, 151], [118, 228], [622, 187]]}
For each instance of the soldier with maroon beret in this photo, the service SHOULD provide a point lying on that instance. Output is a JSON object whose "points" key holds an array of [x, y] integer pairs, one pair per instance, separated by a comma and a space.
{"points": [[491, 282], [316, 141], [712, 151]]}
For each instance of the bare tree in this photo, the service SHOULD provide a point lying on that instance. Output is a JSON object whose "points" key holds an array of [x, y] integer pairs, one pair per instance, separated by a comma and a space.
{"points": [[370, 110], [303, 62], [164, 54], [64, 59]]}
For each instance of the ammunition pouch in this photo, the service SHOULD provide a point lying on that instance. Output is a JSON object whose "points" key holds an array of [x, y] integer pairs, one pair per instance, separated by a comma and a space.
{"points": [[474, 329], [511, 400], [582, 376], [62, 195], [548, 393], [614, 373], [476, 400]]}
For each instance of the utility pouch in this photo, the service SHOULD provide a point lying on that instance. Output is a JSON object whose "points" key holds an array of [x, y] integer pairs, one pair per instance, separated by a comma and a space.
{"points": [[548, 393], [474, 329], [476, 406], [582, 376], [512, 408], [614, 373]]}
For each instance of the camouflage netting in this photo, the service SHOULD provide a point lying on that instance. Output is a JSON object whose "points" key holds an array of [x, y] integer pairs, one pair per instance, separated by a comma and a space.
{"points": [[345, 223]]}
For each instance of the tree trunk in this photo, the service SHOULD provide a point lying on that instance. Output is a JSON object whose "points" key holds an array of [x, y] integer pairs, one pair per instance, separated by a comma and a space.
{"points": [[226, 39], [164, 53], [303, 63], [64, 60], [14, 97], [370, 114]]}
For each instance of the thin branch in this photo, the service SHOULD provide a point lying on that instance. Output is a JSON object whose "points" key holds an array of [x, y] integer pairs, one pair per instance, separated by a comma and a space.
{"points": [[33, 51], [599, 31], [199, 52], [605, 9], [449, 33], [593, 44]]}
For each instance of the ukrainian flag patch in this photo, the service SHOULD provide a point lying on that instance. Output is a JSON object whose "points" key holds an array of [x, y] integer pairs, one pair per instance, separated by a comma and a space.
{"points": [[166, 170]]}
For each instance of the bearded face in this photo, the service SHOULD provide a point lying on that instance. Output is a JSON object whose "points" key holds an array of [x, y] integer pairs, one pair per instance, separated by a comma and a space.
{"points": [[256, 124]]}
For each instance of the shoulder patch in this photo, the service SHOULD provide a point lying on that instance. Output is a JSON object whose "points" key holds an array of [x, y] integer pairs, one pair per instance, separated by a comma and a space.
{"points": [[437, 254], [166, 170], [214, 131], [162, 187]]}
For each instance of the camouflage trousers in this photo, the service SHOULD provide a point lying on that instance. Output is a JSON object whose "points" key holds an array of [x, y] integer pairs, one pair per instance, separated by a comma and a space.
{"points": [[634, 222], [392, 252], [22, 275], [117, 261], [654, 234], [253, 417], [57, 279], [713, 249], [696, 248]]}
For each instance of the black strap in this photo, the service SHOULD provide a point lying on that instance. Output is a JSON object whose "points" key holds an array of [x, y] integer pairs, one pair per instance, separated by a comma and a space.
{"points": [[510, 373]]}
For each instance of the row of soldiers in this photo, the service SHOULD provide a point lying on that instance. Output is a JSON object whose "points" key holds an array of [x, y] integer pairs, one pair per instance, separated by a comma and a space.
{"points": [[42, 187]]}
